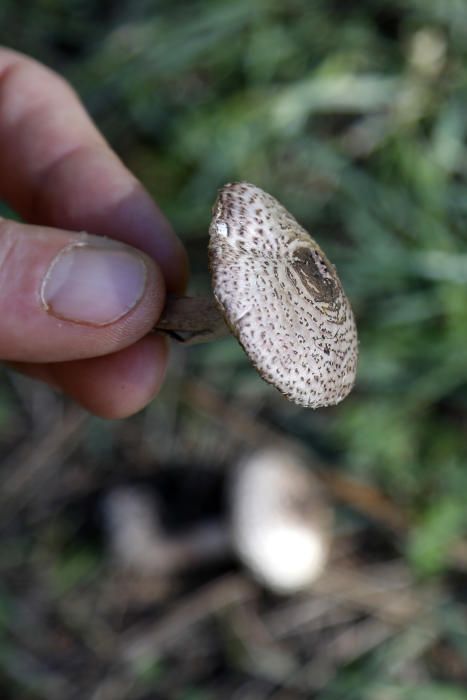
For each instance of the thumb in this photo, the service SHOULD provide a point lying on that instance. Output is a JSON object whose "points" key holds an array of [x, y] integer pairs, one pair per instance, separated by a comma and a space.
{"points": [[67, 296]]}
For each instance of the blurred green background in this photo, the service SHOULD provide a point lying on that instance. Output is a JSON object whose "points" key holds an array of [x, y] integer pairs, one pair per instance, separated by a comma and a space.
{"points": [[354, 116]]}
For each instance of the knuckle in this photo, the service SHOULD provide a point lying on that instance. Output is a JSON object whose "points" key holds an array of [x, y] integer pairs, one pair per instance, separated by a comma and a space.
{"points": [[8, 246]]}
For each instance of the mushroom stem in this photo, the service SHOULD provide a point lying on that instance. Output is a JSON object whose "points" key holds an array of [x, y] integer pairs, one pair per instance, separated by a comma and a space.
{"points": [[192, 320], [139, 542]]}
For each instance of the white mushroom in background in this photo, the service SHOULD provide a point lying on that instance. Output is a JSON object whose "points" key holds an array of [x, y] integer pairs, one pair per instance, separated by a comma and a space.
{"points": [[131, 526], [279, 526], [278, 294], [280, 520], [138, 541]]}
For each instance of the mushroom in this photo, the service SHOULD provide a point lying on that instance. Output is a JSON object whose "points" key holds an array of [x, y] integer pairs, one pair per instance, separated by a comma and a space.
{"points": [[276, 291], [139, 542], [278, 525], [280, 520]]}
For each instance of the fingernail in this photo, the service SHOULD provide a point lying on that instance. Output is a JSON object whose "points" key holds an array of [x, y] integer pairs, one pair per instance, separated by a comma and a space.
{"points": [[93, 285]]}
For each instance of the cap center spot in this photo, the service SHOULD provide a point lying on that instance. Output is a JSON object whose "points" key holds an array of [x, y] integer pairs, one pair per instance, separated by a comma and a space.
{"points": [[315, 275]]}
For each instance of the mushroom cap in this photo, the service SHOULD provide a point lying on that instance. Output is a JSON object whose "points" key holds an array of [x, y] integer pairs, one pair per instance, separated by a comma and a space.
{"points": [[281, 297], [132, 525], [280, 520]]}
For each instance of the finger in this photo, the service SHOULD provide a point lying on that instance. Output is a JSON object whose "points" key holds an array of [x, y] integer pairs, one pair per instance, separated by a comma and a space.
{"points": [[67, 296], [56, 168], [114, 386]]}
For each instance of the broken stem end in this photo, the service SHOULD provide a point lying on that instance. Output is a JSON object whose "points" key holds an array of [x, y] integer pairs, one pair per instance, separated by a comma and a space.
{"points": [[191, 320]]}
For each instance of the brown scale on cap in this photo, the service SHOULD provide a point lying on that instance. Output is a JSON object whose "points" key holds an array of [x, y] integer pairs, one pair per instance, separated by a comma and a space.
{"points": [[281, 297]]}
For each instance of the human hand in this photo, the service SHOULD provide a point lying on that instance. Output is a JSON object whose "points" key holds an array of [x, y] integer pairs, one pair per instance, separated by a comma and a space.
{"points": [[76, 309]]}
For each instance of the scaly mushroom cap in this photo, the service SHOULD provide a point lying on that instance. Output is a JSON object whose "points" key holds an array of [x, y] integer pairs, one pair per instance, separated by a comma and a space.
{"points": [[281, 297]]}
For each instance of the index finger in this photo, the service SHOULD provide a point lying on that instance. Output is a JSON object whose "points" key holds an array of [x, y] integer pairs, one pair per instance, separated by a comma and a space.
{"points": [[56, 169]]}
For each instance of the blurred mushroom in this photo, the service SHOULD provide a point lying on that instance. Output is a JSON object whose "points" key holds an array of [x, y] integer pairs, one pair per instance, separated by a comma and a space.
{"points": [[139, 542], [280, 520], [278, 294], [279, 525]]}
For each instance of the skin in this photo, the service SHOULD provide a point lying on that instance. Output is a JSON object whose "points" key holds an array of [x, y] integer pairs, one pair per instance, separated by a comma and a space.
{"points": [[60, 175]]}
